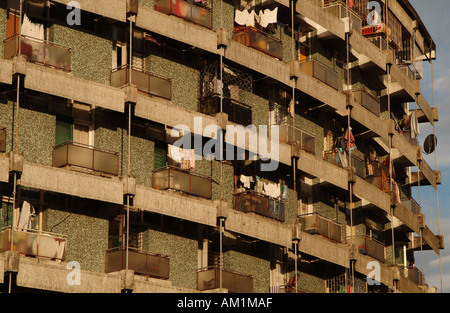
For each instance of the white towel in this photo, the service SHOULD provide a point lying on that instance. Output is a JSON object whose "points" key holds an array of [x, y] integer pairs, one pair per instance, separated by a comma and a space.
{"points": [[176, 153], [268, 16], [25, 215], [245, 18]]}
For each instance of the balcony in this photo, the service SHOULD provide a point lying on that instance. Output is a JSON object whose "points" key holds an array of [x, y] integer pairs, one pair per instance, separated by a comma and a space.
{"points": [[182, 180], [412, 205], [251, 201], [141, 262], [87, 157], [413, 274], [333, 157], [145, 81], [209, 278], [191, 12], [339, 9], [252, 37], [238, 112], [34, 243], [321, 72], [39, 51], [316, 224], [367, 101], [2, 139], [286, 135], [368, 246]]}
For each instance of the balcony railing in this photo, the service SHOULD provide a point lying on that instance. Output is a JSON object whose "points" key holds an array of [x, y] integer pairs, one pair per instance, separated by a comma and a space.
{"points": [[238, 112], [34, 243], [321, 72], [408, 137], [251, 201], [413, 274], [286, 135], [209, 278], [2, 139], [339, 9], [70, 153], [368, 246], [314, 223], [252, 37], [367, 101], [145, 81], [39, 51], [142, 262], [332, 156], [191, 12], [412, 205], [182, 180]]}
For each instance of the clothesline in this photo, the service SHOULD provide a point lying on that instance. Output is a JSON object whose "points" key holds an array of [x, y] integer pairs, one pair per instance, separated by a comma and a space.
{"points": [[249, 18]]}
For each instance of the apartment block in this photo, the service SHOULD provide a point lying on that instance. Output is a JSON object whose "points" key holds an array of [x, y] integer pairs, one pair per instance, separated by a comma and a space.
{"points": [[98, 195]]}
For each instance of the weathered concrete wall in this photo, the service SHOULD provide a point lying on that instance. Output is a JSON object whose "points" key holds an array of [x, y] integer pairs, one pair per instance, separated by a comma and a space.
{"points": [[182, 252], [91, 54], [252, 263], [87, 234], [185, 80], [2, 25]]}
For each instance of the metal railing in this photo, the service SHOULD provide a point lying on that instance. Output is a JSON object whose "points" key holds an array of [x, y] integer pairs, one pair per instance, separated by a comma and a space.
{"points": [[333, 157], [182, 180], [314, 223], [191, 12], [209, 278], [34, 243], [85, 156], [145, 81], [141, 262], [251, 201], [238, 112], [320, 71], [39, 51], [412, 205], [368, 246], [252, 37], [367, 101], [339, 9], [286, 135], [413, 274], [2, 139]]}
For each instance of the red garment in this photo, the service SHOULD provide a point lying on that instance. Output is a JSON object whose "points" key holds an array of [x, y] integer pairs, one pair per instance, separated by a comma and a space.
{"points": [[350, 144]]}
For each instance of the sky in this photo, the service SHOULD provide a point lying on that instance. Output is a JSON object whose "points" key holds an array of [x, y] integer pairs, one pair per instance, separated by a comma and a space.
{"points": [[434, 16]]}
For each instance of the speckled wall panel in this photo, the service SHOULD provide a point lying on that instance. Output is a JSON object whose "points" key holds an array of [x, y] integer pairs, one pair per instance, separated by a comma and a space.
{"points": [[246, 263], [87, 236], [91, 54], [6, 120], [2, 26], [182, 252], [148, 4], [111, 134], [36, 136], [185, 80], [222, 15]]}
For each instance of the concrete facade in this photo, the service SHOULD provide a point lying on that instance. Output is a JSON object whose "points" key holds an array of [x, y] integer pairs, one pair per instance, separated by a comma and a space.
{"points": [[89, 207]]}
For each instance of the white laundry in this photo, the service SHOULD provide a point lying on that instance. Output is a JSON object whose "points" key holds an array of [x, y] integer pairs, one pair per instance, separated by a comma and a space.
{"points": [[26, 215], [245, 18], [176, 153], [246, 180], [268, 16], [272, 190], [30, 29], [414, 125]]}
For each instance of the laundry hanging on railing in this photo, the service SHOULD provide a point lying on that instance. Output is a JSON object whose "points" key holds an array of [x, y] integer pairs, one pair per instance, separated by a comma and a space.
{"points": [[184, 157], [414, 125], [26, 215], [30, 29], [349, 143], [250, 18]]}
